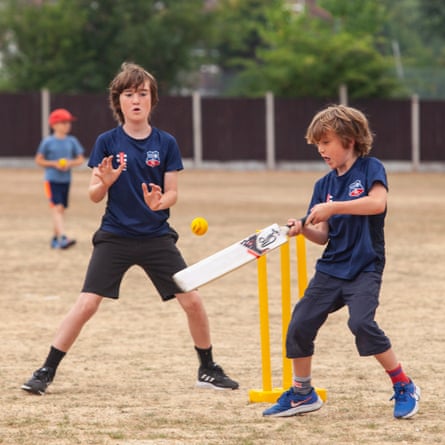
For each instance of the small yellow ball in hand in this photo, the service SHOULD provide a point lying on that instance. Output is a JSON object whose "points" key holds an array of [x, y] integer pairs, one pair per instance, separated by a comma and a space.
{"points": [[199, 226], [63, 162]]}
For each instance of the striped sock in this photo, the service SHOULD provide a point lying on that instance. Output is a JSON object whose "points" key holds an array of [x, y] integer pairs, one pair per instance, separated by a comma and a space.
{"points": [[397, 375], [302, 385]]}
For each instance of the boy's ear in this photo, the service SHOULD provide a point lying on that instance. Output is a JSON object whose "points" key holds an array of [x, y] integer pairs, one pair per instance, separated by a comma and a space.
{"points": [[349, 143]]}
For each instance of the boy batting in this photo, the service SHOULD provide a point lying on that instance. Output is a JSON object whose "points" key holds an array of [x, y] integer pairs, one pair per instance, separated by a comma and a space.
{"points": [[346, 214]]}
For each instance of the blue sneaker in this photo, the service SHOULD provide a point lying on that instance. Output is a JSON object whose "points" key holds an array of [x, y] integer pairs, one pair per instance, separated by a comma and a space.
{"points": [[406, 396], [291, 403], [65, 243], [55, 243]]}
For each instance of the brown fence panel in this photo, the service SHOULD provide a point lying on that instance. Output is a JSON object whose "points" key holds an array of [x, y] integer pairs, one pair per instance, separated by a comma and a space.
{"points": [[175, 115], [92, 112], [432, 130], [233, 129], [19, 124], [390, 121], [292, 117]]}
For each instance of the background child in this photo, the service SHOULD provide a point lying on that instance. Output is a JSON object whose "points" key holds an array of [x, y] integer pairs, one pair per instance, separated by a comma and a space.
{"points": [[347, 213], [136, 166], [58, 153]]}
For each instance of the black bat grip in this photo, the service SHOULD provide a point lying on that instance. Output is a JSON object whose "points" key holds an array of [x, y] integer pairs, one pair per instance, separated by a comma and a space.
{"points": [[302, 220]]}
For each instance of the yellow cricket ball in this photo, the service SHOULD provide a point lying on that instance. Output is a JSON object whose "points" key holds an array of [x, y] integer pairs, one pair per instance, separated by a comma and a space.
{"points": [[63, 162], [199, 226]]}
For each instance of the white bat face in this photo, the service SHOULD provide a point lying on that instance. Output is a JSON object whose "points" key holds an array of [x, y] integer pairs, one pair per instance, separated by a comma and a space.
{"points": [[231, 258]]}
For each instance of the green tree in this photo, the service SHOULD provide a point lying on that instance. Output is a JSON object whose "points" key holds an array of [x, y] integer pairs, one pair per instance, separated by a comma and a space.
{"points": [[78, 45], [432, 13], [300, 55], [237, 29]]}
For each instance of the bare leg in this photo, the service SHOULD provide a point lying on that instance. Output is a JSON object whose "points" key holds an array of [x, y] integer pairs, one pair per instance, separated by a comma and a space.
{"points": [[387, 359], [210, 375], [57, 212], [198, 321], [84, 308], [302, 366]]}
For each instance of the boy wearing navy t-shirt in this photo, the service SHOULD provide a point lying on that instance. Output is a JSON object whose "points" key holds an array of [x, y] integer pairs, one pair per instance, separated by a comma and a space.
{"points": [[346, 213], [136, 167]]}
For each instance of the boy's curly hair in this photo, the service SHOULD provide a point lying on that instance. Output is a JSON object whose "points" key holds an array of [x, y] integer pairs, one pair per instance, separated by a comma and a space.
{"points": [[131, 75], [348, 123]]}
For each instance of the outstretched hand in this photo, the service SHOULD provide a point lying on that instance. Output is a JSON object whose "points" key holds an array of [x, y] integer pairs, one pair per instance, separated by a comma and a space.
{"points": [[152, 196], [106, 173]]}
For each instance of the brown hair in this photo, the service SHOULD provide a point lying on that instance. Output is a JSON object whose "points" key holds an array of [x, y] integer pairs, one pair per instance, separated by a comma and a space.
{"points": [[130, 76], [348, 123]]}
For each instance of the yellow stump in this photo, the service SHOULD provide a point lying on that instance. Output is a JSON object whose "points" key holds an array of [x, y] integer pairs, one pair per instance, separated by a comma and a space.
{"points": [[301, 265], [285, 310], [264, 323], [267, 393]]}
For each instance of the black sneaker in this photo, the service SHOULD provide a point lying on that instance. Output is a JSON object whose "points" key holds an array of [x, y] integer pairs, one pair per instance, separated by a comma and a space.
{"points": [[39, 381], [214, 377]]}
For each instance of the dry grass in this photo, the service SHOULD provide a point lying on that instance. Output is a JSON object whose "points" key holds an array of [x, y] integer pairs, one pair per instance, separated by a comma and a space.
{"points": [[129, 378]]}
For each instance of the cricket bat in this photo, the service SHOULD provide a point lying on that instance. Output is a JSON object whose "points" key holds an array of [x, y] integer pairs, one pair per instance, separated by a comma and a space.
{"points": [[231, 258]]}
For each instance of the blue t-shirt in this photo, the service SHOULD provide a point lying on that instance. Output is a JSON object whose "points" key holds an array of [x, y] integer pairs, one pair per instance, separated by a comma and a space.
{"points": [[53, 148], [356, 243], [147, 160]]}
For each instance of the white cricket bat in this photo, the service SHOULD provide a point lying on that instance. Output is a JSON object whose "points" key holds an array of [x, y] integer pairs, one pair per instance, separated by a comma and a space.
{"points": [[231, 258]]}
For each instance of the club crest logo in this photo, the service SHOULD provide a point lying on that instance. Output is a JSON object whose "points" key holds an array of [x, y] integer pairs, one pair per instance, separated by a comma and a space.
{"points": [[356, 189], [153, 158]]}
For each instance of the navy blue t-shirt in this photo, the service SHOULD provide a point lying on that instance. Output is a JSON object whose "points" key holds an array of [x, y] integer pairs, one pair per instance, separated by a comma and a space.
{"points": [[147, 160], [356, 243]]}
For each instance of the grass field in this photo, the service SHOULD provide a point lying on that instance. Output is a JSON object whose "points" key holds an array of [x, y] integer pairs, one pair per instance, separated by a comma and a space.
{"points": [[129, 379]]}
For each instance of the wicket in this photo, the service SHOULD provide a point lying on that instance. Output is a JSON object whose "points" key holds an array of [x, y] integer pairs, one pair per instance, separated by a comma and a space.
{"points": [[268, 393]]}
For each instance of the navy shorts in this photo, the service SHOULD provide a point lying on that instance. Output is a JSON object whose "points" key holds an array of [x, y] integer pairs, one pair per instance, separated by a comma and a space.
{"points": [[57, 192], [326, 294], [113, 255]]}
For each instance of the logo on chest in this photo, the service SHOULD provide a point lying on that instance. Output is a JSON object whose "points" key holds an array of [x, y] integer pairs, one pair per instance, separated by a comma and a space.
{"points": [[121, 158], [153, 158], [356, 189]]}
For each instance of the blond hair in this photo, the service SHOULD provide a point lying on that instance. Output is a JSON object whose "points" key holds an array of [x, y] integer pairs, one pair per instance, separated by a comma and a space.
{"points": [[130, 76], [348, 123]]}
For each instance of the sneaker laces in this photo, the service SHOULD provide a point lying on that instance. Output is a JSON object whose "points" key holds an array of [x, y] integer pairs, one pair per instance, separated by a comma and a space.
{"points": [[216, 369], [400, 393], [286, 395], [44, 374]]}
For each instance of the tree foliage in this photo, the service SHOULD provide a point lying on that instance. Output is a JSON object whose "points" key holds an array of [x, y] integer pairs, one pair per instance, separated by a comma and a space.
{"points": [[432, 13], [376, 47], [301, 55], [78, 45]]}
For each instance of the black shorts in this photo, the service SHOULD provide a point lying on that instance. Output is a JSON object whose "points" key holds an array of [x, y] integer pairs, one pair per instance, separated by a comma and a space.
{"points": [[113, 255]]}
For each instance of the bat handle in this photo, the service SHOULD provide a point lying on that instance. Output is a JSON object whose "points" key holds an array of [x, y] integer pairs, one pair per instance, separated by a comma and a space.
{"points": [[302, 220]]}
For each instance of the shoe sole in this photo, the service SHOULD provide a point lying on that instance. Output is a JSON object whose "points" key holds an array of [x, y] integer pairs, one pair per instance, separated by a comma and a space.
{"points": [[416, 406], [68, 245], [207, 385], [298, 410], [30, 390]]}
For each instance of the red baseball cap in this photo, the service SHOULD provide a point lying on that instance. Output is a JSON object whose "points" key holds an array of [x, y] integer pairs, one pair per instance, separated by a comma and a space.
{"points": [[60, 115]]}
